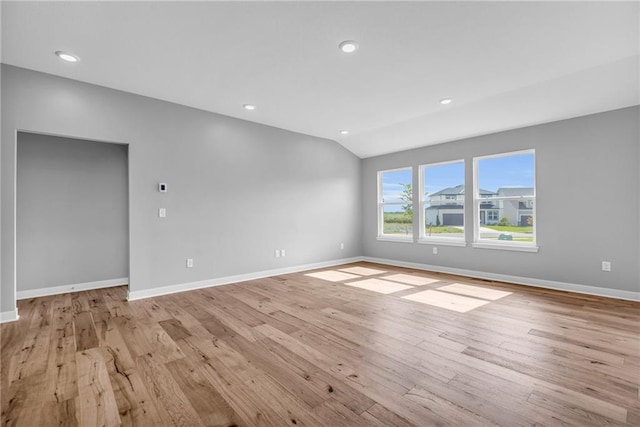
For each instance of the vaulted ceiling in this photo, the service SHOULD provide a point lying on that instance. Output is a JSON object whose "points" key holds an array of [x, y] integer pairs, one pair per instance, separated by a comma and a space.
{"points": [[503, 64]]}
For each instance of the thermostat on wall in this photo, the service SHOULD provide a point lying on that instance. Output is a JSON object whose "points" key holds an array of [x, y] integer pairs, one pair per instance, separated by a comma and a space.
{"points": [[162, 187]]}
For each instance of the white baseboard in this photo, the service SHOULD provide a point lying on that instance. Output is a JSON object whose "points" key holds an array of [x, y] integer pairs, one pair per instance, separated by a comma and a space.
{"points": [[172, 289], [9, 316], [539, 283], [56, 290]]}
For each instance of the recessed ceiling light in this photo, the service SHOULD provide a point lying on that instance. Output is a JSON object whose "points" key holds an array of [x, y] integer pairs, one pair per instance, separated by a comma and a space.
{"points": [[344, 132], [348, 46], [67, 56], [249, 107], [445, 101]]}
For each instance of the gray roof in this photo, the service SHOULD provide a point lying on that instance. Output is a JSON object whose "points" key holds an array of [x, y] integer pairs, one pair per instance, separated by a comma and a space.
{"points": [[458, 189]]}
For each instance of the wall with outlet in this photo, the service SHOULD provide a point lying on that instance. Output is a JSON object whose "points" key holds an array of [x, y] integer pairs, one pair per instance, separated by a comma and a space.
{"points": [[588, 186], [72, 211], [236, 190], [238, 193]]}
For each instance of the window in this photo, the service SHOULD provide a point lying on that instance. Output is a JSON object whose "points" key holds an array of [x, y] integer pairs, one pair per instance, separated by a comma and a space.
{"points": [[492, 216], [504, 200], [395, 204], [442, 202]]}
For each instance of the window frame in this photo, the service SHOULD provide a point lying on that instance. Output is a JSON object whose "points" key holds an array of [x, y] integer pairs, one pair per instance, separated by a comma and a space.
{"points": [[478, 199], [381, 204], [422, 201]]}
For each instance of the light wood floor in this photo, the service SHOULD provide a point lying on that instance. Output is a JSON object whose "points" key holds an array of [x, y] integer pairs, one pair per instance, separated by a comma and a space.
{"points": [[328, 349]]}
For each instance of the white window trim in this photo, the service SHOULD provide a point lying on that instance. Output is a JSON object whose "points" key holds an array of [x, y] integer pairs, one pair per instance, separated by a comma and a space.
{"points": [[391, 237], [422, 236], [399, 239], [443, 241], [519, 247], [477, 200]]}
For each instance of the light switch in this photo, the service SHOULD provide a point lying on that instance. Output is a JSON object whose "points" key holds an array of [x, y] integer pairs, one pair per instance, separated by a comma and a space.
{"points": [[162, 212]]}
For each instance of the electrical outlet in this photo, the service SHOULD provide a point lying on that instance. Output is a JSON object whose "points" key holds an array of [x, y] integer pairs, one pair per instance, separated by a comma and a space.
{"points": [[342, 245], [283, 253], [435, 251], [277, 253], [189, 262], [162, 212], [606, 266]]}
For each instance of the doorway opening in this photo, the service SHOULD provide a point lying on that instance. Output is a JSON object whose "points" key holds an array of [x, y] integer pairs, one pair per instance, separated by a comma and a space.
{"points": [[72, 215]]}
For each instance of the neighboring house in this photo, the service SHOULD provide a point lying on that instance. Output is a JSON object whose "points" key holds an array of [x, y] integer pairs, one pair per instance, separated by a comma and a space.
{"points": [[446, 207], [516, 211]]}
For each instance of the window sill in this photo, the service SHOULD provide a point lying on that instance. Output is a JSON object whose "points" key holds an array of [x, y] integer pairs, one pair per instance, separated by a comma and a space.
{"points": [[395, 239], [442, 241], [505, 247]]}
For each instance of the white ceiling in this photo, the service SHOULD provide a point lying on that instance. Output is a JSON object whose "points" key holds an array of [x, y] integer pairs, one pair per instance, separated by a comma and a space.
{"points": [[505, 64]]}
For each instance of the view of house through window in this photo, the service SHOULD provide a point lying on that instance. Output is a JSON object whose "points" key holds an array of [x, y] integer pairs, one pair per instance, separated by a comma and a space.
{"points": [[395, 203], [505, 198], [442, 200]]}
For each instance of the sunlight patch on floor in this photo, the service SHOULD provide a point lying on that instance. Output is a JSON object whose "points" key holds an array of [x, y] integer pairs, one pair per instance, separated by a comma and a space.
{"points": [[475, 291], [380, 286], [363, 271], [333, 276], [445, 300], [454, 296], [411, 280]]}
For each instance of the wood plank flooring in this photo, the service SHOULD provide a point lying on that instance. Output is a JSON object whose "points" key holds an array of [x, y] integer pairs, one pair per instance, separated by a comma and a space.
{"points": [[342, 346]]}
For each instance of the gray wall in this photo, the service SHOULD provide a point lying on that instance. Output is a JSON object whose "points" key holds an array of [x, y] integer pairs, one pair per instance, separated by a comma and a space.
{"points": [[237, 190], [587, 202], [72, 211], [9, 304]]}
